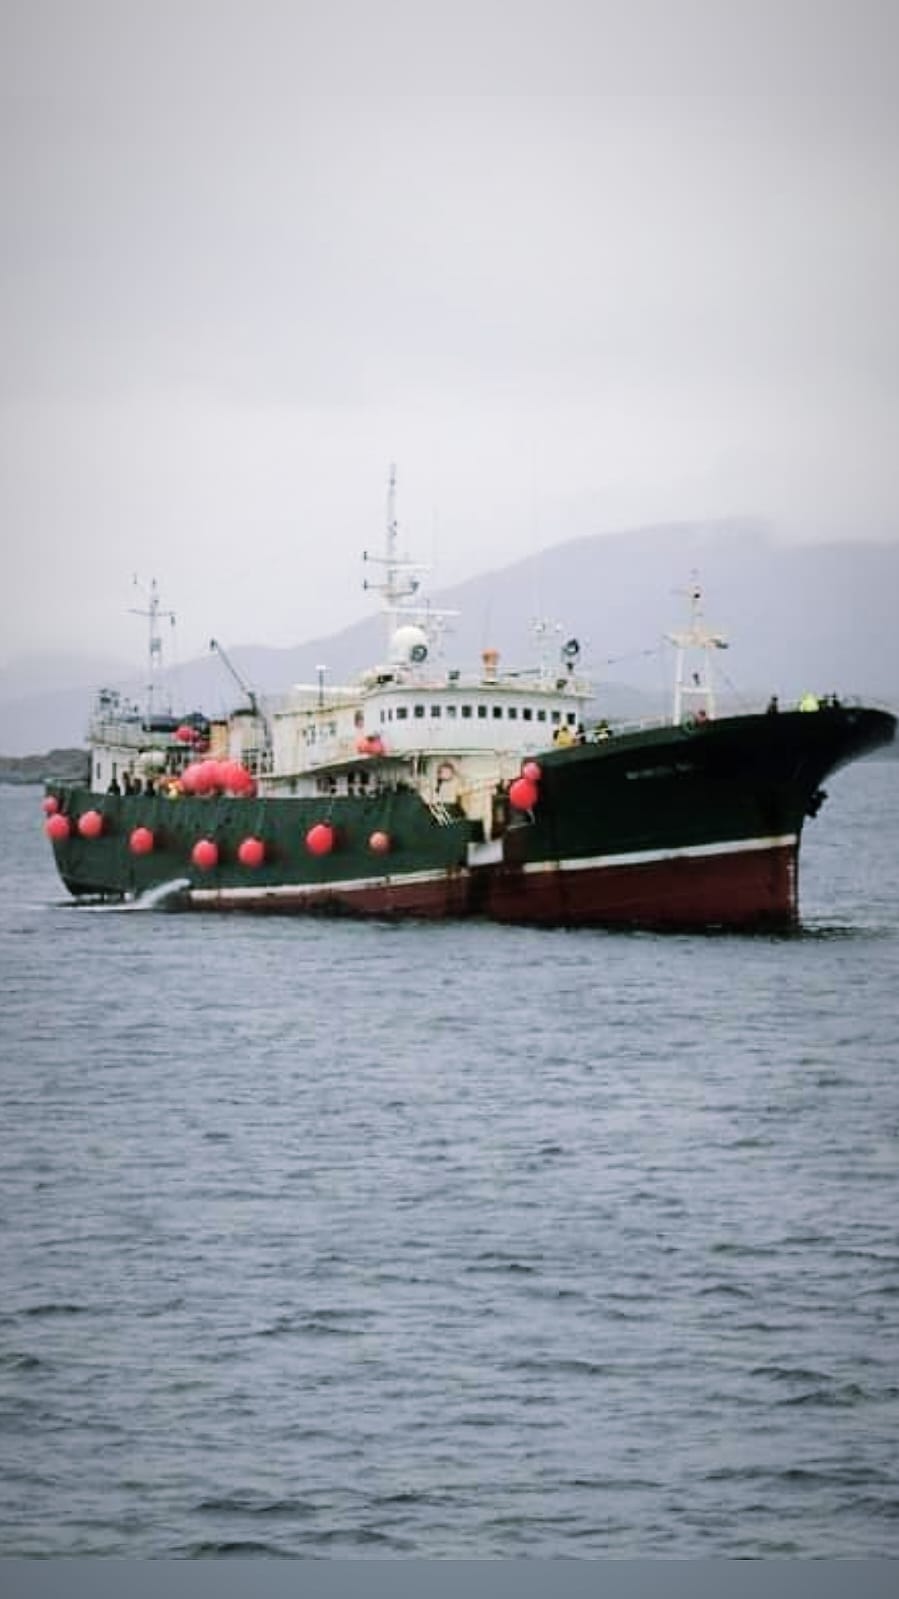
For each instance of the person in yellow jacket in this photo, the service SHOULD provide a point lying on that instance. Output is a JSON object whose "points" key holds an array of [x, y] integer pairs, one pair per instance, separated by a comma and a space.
{"points": [[809, 702]]}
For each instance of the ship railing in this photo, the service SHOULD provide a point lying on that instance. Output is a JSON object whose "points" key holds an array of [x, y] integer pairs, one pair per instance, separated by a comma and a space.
{"points": [[338, 752], [723, 710], [127, 735], [441, 813]]}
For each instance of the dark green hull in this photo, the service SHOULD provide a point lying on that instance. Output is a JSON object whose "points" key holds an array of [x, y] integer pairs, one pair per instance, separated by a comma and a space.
{"points": [[666, 827]]}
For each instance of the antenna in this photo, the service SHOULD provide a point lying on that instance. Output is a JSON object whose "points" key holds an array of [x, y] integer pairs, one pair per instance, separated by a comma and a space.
{"points": [[154, 613], [401, 577], [391, 511], [547, 635]]}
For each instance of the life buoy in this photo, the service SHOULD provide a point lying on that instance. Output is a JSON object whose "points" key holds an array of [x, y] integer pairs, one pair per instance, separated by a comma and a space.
{"points": [[446, 771]]}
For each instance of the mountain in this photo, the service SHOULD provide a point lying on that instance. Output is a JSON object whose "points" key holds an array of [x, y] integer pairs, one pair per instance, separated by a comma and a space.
{"points": [[796, 616], [29, 675]]}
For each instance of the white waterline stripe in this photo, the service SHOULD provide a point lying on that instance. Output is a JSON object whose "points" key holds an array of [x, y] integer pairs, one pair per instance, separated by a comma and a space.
{"points": [[338, 885], [351, 885], [647, 857]]}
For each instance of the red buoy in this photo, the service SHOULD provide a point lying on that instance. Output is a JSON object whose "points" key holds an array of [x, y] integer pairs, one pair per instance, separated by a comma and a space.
{"points": [[379, 843], [207, 777], [523, 794], [57, 827], [50, 805], [251, 852], [205, 854], [90, 825], [320, 839], [240, 780], [141, 841], [532, 770]]}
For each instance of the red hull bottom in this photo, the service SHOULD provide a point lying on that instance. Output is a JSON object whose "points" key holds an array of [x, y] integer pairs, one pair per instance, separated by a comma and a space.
{"points": [[754, 888], [737, 889]]}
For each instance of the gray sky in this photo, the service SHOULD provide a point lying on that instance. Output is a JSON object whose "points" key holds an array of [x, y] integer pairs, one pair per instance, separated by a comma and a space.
{"points": [[573, 266]]}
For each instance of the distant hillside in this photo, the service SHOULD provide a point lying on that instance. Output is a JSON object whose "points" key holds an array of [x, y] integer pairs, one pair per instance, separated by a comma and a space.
{"points": [[38, 674], [69, 765], [796, 617]]}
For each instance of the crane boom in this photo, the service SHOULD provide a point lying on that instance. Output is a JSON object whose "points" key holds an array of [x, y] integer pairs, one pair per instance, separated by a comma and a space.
{"points": [[241, 682]]}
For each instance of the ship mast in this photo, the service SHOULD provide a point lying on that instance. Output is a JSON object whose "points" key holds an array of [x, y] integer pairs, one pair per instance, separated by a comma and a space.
{"points": [[400, 581], [693, 684], [154, 613]]}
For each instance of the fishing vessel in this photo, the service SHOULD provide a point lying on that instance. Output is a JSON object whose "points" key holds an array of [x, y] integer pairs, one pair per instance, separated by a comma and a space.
{"points": [[424, 790]]}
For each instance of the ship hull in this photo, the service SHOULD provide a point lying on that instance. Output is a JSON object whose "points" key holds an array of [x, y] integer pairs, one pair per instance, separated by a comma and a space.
{"points": [[751, 884], [670, 827]]}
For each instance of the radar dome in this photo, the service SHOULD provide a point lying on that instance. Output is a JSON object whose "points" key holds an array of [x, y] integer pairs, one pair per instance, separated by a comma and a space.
{"points": [[409, 645]]}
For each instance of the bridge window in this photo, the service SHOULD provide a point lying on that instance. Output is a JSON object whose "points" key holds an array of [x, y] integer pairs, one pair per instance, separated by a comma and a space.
{"points": [[541, 715], [402, 711], [497, 712], [419, 711], [435, 712], [512, 713], [451, 710], [556, 718], [482, 712], [466, 711]]}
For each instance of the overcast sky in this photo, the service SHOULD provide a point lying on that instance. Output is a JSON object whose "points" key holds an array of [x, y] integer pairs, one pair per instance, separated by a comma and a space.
{"points": [[573, 266]]}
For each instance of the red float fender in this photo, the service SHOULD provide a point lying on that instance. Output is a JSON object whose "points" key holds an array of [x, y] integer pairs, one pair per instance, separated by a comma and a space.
{"points": [[523, 794], [320, 839], [251, 852], [205, 854]]}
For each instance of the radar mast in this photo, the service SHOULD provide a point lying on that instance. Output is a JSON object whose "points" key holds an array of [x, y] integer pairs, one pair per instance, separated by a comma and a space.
{"points": [[693, 683], [401, 580], [154, 613]]}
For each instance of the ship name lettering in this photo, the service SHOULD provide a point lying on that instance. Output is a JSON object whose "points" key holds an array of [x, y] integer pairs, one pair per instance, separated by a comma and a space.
{"points": [[672, 770]]}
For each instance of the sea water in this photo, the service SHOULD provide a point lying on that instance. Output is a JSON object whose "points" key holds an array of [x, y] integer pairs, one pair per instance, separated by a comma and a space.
{"points": [[340, 1239]]}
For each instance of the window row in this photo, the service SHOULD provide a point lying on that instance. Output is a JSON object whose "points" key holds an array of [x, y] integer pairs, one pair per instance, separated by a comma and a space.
{"points": [[481, 712], [320, 730]]}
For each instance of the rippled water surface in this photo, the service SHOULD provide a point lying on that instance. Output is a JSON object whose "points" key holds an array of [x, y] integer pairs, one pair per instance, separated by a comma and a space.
{"points": [[343, 1239]]}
